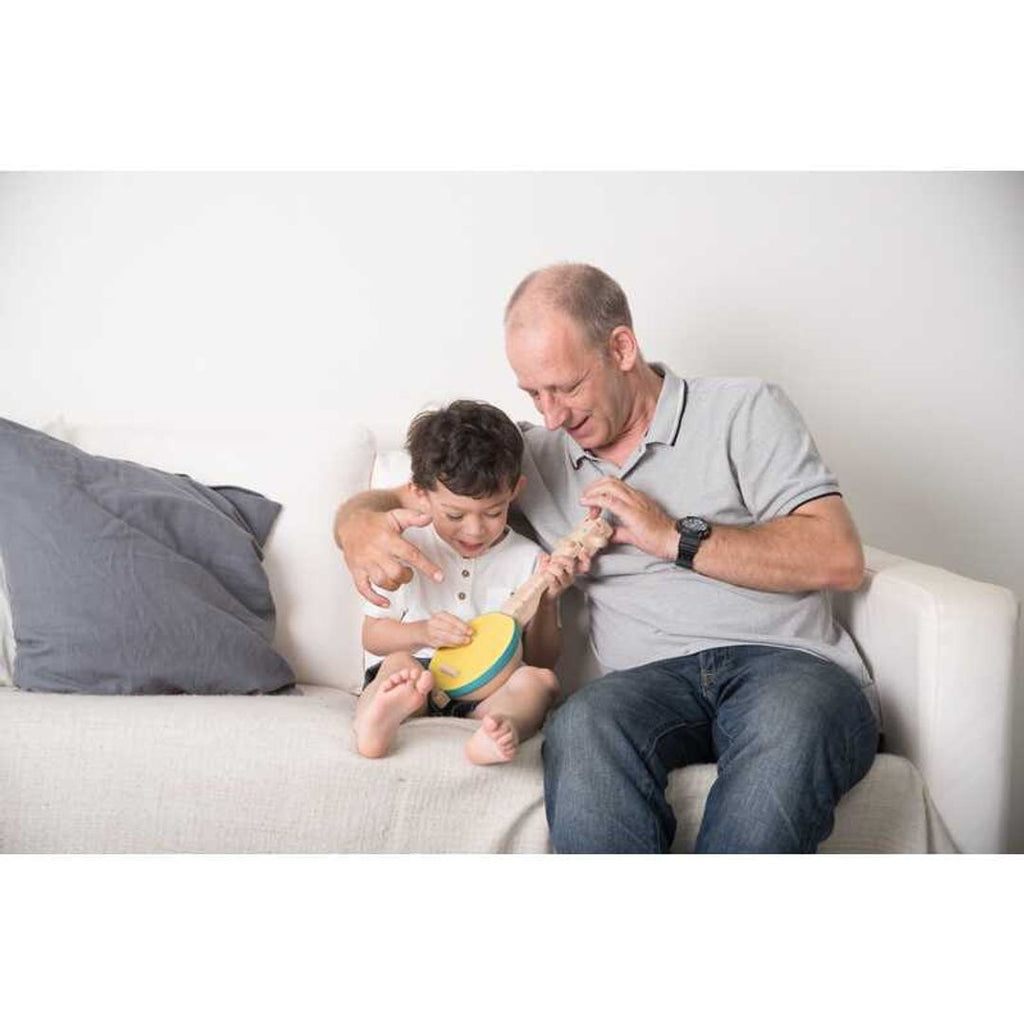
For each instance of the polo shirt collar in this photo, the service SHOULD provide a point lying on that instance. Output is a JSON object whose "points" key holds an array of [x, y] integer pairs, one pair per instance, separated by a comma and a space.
{"points": [[665, 424]]}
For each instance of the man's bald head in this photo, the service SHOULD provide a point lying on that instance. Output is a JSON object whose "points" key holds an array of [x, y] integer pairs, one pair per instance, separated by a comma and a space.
{"points": [[584, 293]]}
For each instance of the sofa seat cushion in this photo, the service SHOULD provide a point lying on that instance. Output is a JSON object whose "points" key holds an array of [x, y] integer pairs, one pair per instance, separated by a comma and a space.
{"points": [[276, 774]]}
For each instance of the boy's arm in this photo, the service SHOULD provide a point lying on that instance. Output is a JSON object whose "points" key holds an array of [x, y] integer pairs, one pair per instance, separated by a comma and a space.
{"points": [[542, 639], [387, 636]]}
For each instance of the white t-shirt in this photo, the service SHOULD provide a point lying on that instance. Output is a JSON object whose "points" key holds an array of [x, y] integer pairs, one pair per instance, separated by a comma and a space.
{"points": [[471, 586]]}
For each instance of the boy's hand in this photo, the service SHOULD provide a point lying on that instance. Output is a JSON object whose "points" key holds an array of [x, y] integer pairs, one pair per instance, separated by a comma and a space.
{"points": [[443, 629], [560, 570]]}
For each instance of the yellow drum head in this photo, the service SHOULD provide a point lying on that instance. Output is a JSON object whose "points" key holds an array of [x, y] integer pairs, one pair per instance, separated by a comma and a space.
{"points": [[459, 671]]}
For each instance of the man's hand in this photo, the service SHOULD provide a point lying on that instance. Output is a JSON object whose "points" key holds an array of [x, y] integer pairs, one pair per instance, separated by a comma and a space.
{"points": [[375, 551], [642, 521], [443, 629]]}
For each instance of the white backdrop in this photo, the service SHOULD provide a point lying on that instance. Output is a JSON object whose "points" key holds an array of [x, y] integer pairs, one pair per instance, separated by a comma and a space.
{"points": [[890, 307]]}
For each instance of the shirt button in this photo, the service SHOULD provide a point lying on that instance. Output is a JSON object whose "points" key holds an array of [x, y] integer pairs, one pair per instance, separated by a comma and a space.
{"points": [[462, 597], [465, 573]]}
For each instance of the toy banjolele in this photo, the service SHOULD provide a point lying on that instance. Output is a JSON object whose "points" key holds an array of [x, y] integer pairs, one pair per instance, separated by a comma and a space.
{"points": [[480, 667]]}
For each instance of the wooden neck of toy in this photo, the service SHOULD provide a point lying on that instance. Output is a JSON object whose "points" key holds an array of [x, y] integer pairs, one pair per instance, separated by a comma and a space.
{"points": [[523, 604], [589, 537]]}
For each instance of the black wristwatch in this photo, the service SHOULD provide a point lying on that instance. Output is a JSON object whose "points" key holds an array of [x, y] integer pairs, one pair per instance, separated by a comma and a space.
{"points": [[693, 531]]}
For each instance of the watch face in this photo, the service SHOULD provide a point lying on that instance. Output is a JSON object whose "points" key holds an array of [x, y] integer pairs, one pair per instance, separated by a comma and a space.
{"points": [[694, 525]]}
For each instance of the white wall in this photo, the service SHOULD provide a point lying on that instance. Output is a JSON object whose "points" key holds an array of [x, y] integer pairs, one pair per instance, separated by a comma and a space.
{"points": [[890, 306]]}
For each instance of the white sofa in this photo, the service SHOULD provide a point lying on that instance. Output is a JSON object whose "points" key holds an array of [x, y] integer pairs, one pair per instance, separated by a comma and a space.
{"points": [[102, 774]]}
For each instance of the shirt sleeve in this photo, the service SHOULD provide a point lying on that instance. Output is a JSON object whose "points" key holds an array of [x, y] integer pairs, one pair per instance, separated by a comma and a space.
{"points": [[776, 461], [399, 605]]}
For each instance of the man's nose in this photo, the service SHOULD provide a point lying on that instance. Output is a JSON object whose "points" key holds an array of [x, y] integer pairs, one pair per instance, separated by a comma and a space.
{"points": [[554, 413]]}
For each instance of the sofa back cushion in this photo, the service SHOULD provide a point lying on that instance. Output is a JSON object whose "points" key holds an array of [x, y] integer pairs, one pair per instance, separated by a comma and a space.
{"points": [[308, 470]]}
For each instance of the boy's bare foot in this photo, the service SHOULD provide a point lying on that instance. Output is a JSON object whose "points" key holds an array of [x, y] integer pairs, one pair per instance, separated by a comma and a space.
{"points": [[399, 696], [495, 741]]}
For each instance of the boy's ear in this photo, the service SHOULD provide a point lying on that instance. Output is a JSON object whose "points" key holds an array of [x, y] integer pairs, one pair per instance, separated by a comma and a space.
{"points": [[420, 496], [518, 489]]}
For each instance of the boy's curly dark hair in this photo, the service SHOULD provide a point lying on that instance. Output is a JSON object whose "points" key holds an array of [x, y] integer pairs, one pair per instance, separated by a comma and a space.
{"points": [[471, 447]]}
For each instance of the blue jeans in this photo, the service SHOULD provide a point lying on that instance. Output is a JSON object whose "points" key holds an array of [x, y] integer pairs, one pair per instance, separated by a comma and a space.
{"points": [[791, 734]]}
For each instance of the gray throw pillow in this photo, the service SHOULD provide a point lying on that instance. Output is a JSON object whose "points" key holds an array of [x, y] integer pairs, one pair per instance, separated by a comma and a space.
{"points": [[125, 579], [6, 632]]}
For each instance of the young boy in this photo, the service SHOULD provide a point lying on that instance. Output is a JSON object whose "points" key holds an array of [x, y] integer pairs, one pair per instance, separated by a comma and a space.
{"points": [[466, 461]]}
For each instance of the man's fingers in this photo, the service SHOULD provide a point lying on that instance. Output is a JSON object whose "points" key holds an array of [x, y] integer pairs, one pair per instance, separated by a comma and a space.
{"points": [[406, 517], [395, 571], [363, 586], [381, 578], [414, 557]]}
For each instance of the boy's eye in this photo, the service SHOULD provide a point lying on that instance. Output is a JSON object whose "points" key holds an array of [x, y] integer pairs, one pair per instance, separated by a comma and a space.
{"points": [[493, 515], [453, 518]]}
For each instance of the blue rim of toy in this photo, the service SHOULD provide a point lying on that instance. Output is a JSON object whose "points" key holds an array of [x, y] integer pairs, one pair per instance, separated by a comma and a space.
{"points": [[499, 665]]}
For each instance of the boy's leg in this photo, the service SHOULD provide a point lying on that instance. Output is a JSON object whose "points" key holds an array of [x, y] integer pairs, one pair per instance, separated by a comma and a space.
{"points": [[512, 714], [398, 692]]}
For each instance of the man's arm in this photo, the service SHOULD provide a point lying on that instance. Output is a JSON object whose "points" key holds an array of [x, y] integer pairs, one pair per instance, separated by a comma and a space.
{"points": [[815, 547], [368, 529]]}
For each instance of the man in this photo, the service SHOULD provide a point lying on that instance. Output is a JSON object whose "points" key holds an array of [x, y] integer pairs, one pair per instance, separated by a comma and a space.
{"points": [[710, 607]]}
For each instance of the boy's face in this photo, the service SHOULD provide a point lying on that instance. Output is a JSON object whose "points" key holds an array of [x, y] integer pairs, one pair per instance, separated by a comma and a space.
{"points": [[469, 525]]}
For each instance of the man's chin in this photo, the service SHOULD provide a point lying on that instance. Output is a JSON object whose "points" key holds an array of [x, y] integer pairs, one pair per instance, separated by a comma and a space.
{"points": [[579, 432]]}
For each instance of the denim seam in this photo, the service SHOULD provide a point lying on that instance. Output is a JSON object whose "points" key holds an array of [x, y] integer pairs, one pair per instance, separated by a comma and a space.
{"points": [[646, 755], [851, 744]]}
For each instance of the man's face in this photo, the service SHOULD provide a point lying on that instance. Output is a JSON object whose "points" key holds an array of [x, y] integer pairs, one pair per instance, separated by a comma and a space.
{"points": [[469, 525], [572, 385]]}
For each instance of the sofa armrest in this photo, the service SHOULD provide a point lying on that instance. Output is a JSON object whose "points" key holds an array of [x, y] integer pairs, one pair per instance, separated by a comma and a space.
{"points": [[941, 649]]}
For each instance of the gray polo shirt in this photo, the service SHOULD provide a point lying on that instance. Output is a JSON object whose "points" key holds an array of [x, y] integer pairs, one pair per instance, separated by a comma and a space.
{"points": [[733, 450]]}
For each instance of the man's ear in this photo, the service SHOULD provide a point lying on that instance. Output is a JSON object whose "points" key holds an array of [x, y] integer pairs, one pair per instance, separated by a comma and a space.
{"points": [[624, 348]]}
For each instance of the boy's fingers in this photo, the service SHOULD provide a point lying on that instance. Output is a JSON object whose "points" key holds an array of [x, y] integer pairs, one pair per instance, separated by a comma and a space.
{"points": [[452, 639], [452, 620]]}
